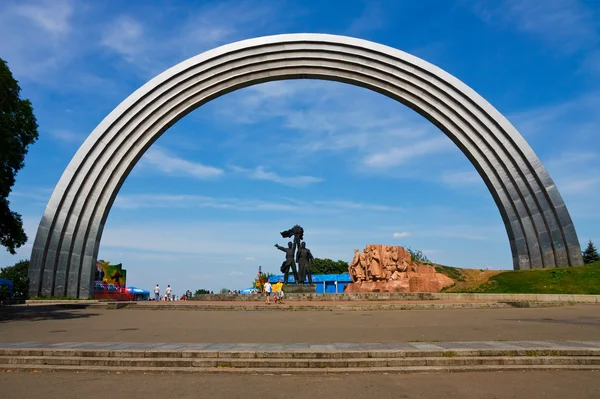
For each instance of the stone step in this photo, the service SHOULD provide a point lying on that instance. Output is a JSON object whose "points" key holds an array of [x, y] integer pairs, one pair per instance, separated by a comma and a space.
{"points": [[290, 371], [110, 362], [295, 354]]}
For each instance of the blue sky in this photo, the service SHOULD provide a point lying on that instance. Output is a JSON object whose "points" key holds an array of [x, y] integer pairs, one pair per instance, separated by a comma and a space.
{"points": [[204, 206]]}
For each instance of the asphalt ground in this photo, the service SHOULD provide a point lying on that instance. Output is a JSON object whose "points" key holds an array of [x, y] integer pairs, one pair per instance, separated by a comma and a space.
{"points": [[476, 385], [49, 324]]}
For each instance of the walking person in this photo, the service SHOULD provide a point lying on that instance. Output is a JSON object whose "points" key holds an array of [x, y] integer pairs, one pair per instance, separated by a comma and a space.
{"points": [[157, 293], [268, 292], [168, 292]]}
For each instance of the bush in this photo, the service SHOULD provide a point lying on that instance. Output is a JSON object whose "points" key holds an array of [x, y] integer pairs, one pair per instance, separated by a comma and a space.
{"points": [[417, 256], [19, 275]]}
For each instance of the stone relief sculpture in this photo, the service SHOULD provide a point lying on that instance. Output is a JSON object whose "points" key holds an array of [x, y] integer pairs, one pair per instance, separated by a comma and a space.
{"points": [[385, 268]]}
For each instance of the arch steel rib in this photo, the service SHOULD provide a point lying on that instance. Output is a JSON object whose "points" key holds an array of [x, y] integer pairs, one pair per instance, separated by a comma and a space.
{"points": [[540, 230]]}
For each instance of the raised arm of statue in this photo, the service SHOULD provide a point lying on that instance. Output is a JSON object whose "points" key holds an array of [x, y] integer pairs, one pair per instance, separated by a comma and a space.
{"points": [[279, 247]]}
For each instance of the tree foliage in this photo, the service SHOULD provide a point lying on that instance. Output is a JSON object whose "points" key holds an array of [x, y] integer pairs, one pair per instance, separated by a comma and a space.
{"points": [[417, 255], [328, 266], [4, 292], [18, 130], [259, 281], [201, 292], [18, 273], [590, 255]]}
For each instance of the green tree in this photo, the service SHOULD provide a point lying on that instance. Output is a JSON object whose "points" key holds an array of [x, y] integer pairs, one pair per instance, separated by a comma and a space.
{"points": [[224, 291], [201, 292], [417, 256], [18, 273], [18, 130], [328, 266], [259, 281], [4, 292], [590, 255]]}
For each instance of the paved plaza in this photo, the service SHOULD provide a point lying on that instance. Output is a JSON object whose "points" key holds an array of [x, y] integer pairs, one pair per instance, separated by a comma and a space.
{"points": [[503, 385], [542, 340], [50, 324]]}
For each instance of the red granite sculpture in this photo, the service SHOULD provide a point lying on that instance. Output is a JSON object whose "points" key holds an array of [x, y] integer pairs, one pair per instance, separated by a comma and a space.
{"points": [[385, 268]]}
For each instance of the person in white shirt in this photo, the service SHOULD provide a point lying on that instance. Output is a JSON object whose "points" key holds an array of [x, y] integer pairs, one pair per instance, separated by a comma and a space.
{"points": [[156, 293], [168, 292], [268, 292]]}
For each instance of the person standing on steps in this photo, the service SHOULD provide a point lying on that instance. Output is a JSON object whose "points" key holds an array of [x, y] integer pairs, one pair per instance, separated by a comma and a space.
{"points": [[157, 293]]}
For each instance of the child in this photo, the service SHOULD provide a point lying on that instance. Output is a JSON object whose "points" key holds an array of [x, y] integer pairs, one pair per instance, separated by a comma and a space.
{"points": [[278, 296], [268, 292]]}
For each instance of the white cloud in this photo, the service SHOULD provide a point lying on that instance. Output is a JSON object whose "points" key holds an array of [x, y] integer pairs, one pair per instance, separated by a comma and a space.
{"points": [[124, 36], [259, 173], [567, 25], [159, 159], [402, 234], [144, 201], [333, 119], [460, 178], [569, 159], [37, 194], [577, 186], [38, 38], [401, 155], [461, 232], [141, 201], [350, 205], [67, 136], [152, 46], [54, 16]]}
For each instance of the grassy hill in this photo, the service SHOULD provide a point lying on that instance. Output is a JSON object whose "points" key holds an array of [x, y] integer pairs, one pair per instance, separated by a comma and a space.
{"points": [[559, 280]]}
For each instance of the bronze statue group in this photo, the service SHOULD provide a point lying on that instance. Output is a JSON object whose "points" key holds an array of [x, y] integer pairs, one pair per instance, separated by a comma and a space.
{"points": [[296, 252]]}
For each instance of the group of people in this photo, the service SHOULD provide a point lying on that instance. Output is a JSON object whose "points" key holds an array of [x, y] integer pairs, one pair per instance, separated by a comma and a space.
{"points": [[168, 296], [275, 289]]}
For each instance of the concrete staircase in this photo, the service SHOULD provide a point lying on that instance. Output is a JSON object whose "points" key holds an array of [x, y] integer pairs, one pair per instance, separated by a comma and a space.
{"points": [[271, 360]]}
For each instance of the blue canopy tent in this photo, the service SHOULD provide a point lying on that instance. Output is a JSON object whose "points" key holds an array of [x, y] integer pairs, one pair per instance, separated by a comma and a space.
{"points": [[7, 283], [138, 294]]}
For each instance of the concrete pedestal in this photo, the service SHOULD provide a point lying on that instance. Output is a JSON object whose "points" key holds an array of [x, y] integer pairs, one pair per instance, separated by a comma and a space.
{"points": [[299, 289]]}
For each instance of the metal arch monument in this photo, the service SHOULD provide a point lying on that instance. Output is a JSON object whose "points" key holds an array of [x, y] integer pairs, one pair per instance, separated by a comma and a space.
{"points": [[539, 227]]}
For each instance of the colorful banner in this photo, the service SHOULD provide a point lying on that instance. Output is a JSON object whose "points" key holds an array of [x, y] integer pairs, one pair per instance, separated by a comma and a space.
{"points": [[109, 274], [110, 282]]}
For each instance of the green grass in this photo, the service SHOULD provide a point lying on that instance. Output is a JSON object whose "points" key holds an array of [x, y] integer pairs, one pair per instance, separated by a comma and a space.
{"points": [[559, 280], [452, 272]]}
